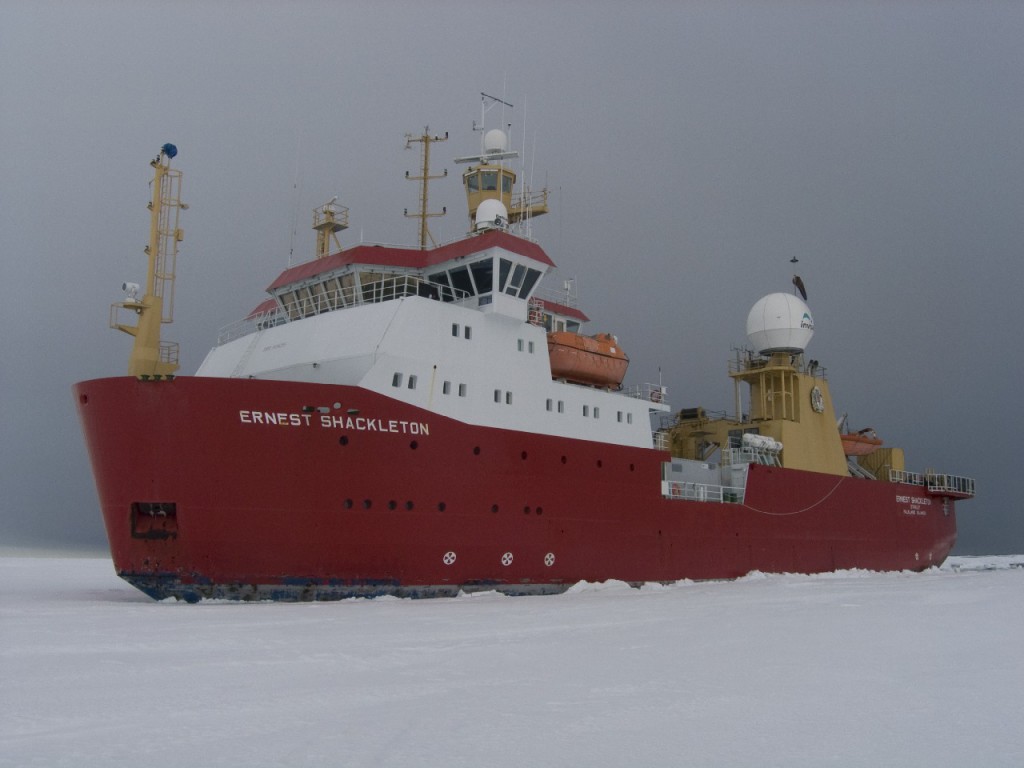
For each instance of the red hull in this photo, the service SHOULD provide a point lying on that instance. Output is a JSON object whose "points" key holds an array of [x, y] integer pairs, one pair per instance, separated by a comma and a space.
{"points": [[202, 497]]}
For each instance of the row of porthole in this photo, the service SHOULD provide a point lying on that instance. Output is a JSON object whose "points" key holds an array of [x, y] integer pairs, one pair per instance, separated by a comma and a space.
{"points": [[450, 557], [441, 506], [343, 440]]}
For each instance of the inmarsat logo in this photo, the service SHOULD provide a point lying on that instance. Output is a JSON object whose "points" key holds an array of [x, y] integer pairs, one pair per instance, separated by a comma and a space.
{"points": [[807, 322]]}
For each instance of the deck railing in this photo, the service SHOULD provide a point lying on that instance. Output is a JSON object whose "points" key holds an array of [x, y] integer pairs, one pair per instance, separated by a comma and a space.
{"points": [[316, 303], [689, 491]]}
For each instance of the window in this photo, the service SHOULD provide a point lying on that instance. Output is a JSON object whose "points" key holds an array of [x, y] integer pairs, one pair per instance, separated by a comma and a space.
{"points": [[508, 398], [396, 380], [455, 330], [497, 395], [446, 388], [468, 332], [504, 267], [586, 410], [483, 275], [472, 182], [461, 280], [530, 347], [519, 344], [517, 280], [561, 406], [548, 404], [489, 181], [532, 275], [412, 381], [629, 418], [597, 412], [462, 390], [618, 416]]}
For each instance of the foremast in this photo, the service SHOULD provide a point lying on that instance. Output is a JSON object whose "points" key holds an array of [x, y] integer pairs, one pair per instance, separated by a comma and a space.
{"points": [[151, 357]]}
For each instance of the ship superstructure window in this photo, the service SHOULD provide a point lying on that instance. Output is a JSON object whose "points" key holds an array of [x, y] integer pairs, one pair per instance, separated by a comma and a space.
{"points": [[561, 406], [455, 330], [396, 380], [483, 275], [468, 332], [412, 381], [462, 390], [548, 404], [586, 410], [504, 267], [461, 280], [597, 412], [446, 388]]}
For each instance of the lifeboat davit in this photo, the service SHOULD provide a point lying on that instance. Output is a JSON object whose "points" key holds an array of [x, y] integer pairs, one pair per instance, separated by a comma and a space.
{"points": [[860, 443], [597, 360]]}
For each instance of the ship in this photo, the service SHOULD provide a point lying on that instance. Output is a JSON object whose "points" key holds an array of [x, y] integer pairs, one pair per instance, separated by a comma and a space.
{"points": [[427, 420]]}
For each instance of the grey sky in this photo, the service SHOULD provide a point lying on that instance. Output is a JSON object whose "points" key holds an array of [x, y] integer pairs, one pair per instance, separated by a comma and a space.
{"points": [[691, 148]]}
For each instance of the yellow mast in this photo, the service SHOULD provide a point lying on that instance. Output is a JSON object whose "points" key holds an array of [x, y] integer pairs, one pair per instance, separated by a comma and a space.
{"points": [[329, 219], [151, 357], [490, 179], [426, 140]]}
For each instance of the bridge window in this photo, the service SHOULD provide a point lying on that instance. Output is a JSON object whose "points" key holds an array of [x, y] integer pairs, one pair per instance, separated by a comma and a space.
{"points": [[483, 275]]}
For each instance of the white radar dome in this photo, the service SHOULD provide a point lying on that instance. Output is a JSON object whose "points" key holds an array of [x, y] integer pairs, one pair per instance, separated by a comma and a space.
{"points": [[491, 214], [780, 322], [495, 140]]}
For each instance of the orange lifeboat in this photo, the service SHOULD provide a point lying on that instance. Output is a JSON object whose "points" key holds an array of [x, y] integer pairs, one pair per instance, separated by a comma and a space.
{"points": [[860, 443], [597, 360]]}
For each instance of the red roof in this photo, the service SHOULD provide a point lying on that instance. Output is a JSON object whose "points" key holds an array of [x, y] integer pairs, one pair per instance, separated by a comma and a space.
{"points": [[562, 309], [412, 258]]}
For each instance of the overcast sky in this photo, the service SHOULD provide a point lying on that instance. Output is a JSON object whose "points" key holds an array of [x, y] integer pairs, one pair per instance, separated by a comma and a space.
{"points": [[691, 149]]}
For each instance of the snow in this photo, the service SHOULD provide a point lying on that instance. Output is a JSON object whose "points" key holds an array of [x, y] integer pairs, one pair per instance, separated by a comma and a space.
{"points": [[846, 669]]}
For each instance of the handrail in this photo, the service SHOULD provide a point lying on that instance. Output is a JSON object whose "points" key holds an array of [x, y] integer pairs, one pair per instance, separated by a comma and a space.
{"points": [[316, 303], [690, 491]]}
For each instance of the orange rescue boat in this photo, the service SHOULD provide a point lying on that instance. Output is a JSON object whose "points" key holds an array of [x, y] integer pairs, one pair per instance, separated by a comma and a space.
{"points": [[596, 361]]}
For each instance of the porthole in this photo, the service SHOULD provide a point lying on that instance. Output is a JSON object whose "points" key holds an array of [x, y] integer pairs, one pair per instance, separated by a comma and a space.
{"points": [[476, 450], [343, 440], [367, 503], [523, 455], [392, 504], [347, 504], [494, 508], [414, 445], [441, 506]]}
